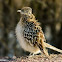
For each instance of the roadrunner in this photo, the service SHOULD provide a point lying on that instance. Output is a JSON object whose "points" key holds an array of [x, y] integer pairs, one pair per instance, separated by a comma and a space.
{"points": [[30, 35]]}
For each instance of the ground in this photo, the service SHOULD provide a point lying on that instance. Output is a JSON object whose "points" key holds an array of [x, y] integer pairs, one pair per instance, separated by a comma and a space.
{"points": [[36, 58]]}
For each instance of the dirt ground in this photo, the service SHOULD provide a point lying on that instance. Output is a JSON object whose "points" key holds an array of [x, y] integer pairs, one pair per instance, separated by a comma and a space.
{"points": [[36, 58]]}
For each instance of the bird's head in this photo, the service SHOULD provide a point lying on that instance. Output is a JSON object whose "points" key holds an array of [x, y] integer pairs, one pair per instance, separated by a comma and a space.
{"points": [[25, 11]]}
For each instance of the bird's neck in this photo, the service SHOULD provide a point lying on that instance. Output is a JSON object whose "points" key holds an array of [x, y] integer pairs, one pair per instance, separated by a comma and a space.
{"points": [[26, 19]]}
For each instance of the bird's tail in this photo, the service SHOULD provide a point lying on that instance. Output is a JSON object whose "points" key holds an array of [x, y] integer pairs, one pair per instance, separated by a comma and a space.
{"points": [[52, 47]]}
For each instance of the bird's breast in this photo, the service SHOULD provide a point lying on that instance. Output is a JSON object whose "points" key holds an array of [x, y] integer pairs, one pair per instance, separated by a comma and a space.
{"points": [[22, 41]]}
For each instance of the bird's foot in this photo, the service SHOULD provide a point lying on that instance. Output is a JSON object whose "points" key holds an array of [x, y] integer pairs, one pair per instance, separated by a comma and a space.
{"points": [[31, 55]]}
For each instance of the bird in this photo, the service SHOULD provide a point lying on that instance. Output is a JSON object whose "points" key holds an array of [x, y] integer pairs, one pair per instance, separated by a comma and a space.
{"points": [[30, 35]]}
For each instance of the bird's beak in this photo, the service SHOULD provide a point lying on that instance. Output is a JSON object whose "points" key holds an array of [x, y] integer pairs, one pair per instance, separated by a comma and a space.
{"points": [[19, 11]]}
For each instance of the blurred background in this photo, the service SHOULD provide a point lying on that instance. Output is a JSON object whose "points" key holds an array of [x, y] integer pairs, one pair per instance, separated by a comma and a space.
{"points": [[49, 14]]}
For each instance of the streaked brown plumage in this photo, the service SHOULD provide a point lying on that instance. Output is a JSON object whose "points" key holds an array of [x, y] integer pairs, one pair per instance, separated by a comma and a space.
{"points": [[30, 34]]}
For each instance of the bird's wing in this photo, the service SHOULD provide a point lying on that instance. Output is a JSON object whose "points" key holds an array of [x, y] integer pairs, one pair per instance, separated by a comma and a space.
{"points": [[33, 34]]}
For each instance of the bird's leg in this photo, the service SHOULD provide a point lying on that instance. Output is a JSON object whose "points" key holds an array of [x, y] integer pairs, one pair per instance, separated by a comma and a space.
{"points": [[31, 54]]}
